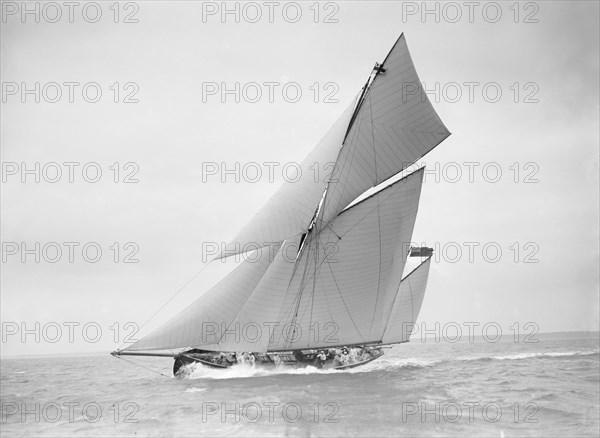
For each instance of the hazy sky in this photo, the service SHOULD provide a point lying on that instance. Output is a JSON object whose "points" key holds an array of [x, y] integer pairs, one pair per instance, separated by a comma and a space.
{"points": [[541, 132]]}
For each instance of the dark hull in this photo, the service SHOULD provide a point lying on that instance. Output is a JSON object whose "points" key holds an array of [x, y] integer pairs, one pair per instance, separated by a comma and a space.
{"points": [[294, 359]]}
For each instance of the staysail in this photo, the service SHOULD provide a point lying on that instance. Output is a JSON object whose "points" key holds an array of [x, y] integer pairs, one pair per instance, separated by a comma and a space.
{"points": [[237, 313], [407, 305], [218, 305]]}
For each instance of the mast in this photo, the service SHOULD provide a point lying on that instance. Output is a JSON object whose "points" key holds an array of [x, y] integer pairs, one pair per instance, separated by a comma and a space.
{"points": [[378, 68]]}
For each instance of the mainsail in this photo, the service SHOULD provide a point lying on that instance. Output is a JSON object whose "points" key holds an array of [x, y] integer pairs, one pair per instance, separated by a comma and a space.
{"points": [[335, 277], [338, 293]]}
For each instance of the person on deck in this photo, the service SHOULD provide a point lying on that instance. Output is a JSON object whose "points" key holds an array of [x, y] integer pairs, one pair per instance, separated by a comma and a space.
{"points": [[321, 358], [345, 358]]}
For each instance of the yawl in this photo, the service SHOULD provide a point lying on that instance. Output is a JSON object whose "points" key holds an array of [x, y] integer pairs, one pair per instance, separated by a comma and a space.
{"points": [[326, 271]]}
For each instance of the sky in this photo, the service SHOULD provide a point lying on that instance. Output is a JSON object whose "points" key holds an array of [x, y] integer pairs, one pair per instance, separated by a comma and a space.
{"points": [[510, 202]]}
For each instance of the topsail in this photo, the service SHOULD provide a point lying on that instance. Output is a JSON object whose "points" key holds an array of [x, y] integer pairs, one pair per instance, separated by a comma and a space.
{"points": [[328, 272], [393, 125]]}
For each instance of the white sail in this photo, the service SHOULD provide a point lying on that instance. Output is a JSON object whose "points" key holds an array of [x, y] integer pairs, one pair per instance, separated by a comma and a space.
{"points": [[338, 293], [395, 126], [289, 211], [256, 321], [407, 305], [200, 324], [344, 286]]}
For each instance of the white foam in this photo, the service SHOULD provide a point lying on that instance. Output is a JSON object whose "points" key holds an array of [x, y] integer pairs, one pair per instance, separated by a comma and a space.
{"points": [[238, 371], [195, 390]]}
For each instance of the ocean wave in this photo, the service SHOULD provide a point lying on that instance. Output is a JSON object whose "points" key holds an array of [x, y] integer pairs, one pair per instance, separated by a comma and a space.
{"points": [[544, 355], [412, 363]]}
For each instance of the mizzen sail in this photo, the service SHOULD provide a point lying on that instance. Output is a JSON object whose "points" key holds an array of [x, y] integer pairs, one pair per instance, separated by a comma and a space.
{"points": [[407, 304]]}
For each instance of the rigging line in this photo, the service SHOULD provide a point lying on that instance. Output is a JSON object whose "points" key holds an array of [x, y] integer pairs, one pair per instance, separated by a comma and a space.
{"points": [[324, 293], [312, 304], [168, 301], [329, 225], [412, 304], [144, 367], [349, 158], [295, 305], [378, 218], [311, 233], [344, 302], [315, 251], [347, 231]]}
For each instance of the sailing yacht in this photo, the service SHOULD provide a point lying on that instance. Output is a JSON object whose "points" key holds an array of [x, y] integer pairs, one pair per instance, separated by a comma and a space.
{"points": [[325, 284]]}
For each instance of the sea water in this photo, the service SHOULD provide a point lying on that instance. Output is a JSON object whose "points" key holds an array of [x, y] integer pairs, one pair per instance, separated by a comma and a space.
{"points": [[428, 387]]}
